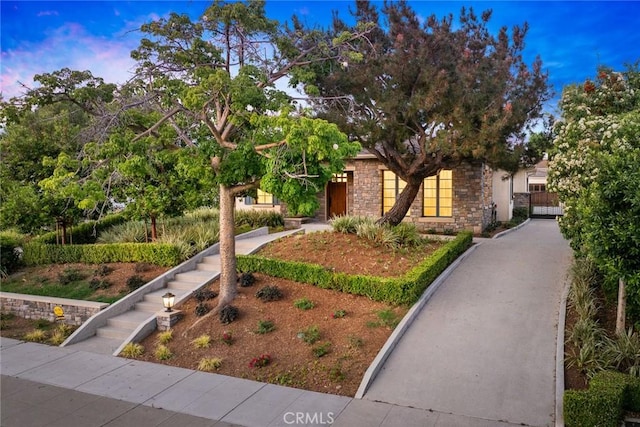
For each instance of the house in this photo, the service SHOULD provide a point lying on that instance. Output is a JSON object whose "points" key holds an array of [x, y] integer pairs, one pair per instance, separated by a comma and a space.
{"points": [[454, 200]]}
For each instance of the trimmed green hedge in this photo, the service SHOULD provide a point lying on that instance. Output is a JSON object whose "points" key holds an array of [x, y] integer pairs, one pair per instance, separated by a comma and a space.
{"points": [[603, 404], [398, 290], [154, 253], [84, 233]]}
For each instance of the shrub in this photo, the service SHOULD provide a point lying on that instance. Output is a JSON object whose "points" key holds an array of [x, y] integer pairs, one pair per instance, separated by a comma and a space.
{"points": [[85, 233], [203, 341], [37, 335], [309, 335], [303, 304], [96, 284], [10, 259], [388, 318], [399, 290], [132, 350], [103, 270], [202, 294], [201, 309], [269, 293], [603, 404], [321, 349], [265, 326], [355, 342], [141, 267], [260, 361], [338, 314], [162, 352], [209, 364], [246, 279], [134, 282], [227, 338], [165, 337], [69, 275], [347, 224], [228, 314], [155, 253]]}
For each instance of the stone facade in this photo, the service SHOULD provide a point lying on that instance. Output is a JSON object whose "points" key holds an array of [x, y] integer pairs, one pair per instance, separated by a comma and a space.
{"points": [[39, 307], [472, 196]]}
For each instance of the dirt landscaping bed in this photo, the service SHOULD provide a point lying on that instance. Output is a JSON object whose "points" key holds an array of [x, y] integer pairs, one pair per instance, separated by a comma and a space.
{"points": [[351, 329]]}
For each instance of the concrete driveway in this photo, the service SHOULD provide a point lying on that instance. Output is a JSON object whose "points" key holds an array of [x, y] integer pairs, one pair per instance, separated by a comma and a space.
{"points": [[482, 350]]}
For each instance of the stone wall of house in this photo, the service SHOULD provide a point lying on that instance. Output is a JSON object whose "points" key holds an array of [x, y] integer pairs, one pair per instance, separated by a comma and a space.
{"points": [[40, 307], [472, 185], [365, 189]]}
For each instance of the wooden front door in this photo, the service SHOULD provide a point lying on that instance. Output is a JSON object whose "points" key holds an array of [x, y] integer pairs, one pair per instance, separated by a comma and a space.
{"points": [[336, 199]]}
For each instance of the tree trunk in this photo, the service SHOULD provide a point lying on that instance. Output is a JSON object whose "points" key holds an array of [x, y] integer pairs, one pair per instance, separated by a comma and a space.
{"points": [[228, 276], [154, 229], [622, 308], [399, 210]]}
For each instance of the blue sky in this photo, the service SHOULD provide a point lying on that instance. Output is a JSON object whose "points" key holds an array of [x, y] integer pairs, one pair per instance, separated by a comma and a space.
{"points": [[571, 37]]}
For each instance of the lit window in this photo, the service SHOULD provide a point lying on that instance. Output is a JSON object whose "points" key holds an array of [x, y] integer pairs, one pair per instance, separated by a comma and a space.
{"points": [[339, 177], [264, 198], [438, 195], [392, 186]]}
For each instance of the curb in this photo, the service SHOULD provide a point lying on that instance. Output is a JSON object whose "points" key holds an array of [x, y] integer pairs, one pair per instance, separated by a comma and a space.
{"points": [[562, 317], [502, 233], [404, 324]]}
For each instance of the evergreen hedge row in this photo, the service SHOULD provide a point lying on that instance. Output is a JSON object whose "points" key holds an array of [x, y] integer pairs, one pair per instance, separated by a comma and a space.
{"points": [[398, 290], [84, 233], [603, 404], [153, 253]]}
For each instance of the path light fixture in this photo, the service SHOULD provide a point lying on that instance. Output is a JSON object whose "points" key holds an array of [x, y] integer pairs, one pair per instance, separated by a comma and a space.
{"points": [[167, 301]]}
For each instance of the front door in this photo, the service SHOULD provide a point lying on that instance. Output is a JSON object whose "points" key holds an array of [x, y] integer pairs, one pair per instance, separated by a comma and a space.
{"points": [[336, 199]]}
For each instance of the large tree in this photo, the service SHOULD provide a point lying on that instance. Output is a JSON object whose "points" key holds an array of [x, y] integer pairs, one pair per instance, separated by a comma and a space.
{"points": [[49, 122], [424, 96], [213, 81]]}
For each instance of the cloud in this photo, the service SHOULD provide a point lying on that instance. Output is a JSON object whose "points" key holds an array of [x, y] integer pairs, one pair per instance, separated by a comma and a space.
{"points": [[48, 13], [69, 46]]}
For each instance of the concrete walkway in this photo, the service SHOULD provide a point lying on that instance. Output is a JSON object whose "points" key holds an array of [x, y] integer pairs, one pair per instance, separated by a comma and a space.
{"points": [[480, 353], [483, 348]]}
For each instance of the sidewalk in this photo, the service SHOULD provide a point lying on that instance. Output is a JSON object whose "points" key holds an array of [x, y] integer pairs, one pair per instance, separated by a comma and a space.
{"points": [[480, 353]]}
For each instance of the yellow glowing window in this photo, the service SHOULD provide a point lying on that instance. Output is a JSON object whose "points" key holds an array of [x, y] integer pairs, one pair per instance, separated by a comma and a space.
{"points": [[392, 186], [264, 198], [339, 177], [438, 194]]}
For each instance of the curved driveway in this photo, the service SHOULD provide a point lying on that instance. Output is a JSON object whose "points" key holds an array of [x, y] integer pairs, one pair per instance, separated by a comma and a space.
{"points": [[482, 350]]}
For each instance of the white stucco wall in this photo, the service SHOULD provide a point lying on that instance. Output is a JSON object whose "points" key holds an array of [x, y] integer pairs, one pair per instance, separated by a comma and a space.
{"points": [[502, 195]]}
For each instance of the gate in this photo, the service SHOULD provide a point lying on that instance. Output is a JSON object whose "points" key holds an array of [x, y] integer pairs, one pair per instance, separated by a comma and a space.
{"points": [[545, 205]]}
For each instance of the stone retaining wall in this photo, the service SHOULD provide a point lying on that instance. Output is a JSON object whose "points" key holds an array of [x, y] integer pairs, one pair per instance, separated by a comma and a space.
{"points": [[41, 307]]}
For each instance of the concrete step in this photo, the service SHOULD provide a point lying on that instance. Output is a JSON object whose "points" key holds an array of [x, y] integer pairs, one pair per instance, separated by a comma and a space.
{"points": [[214, 268], [129, 320], [156, 296], [149, 307], [211, 259], [194, 276], [96, 344], [176, 285], [114, 332]]}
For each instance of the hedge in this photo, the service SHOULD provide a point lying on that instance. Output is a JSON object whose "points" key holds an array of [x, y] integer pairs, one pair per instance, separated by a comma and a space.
{"points": [[159, 254], [603, 404], [84, 233], [398, 290]]}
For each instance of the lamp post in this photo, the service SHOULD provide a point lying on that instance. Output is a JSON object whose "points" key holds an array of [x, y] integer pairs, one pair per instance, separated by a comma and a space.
{"points": [[167, 301]]}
